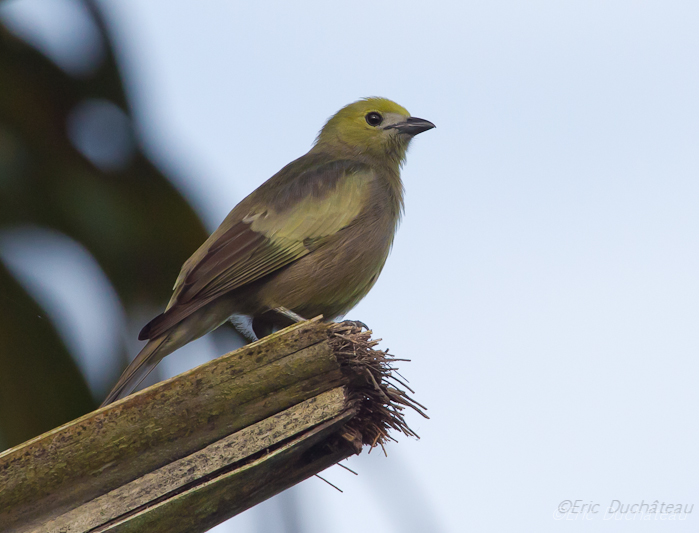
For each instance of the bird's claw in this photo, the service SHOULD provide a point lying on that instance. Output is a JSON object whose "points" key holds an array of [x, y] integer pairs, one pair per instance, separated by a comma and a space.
{"points": [[355, 323]]}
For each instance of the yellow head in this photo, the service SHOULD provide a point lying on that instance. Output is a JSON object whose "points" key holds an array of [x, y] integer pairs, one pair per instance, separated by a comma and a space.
{"points": [[375, 127]]}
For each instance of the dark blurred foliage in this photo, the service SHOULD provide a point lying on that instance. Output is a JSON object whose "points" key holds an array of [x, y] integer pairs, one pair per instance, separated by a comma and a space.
{"points": [[119, 207]]}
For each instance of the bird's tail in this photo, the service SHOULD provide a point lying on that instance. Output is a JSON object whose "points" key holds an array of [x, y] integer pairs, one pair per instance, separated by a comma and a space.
{"points": [[140, 367], [192, 327]]}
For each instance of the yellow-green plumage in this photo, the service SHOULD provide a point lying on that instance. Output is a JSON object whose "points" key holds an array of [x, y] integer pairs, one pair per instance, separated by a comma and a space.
{"points": [[312, 239]]}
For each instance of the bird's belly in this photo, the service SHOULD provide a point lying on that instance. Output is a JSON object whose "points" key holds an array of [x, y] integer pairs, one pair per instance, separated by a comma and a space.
{"points": [[333, 278]]}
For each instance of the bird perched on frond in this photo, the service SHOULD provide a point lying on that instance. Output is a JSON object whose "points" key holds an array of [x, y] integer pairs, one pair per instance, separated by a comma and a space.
{"points": [[311, 240]]}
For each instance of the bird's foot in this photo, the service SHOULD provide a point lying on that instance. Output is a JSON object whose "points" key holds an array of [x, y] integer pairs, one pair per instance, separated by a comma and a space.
{"points": [[355, 323]]}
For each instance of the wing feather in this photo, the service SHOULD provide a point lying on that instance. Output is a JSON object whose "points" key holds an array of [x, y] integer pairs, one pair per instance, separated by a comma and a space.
{"points": [[258, 237]]}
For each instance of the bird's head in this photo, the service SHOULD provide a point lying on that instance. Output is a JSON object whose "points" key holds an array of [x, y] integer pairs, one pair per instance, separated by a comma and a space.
{"points": [[375, 127]]}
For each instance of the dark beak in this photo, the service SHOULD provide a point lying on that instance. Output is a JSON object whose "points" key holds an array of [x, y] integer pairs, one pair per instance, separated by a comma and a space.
{"points": [[412, 126]]}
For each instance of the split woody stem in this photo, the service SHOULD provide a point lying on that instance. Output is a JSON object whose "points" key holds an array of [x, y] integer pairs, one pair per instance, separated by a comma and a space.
{"points": [[197, 449]]}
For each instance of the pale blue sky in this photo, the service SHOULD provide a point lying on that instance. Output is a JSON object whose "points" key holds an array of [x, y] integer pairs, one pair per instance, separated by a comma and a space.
{"points": [[544, 281]]}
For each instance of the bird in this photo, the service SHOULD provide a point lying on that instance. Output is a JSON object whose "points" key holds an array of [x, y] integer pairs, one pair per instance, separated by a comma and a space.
{"points": [[311, 240]]}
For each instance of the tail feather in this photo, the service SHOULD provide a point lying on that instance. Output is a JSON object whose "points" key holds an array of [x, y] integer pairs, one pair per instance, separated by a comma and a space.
{"points": [[140, 367], [165, 342]]}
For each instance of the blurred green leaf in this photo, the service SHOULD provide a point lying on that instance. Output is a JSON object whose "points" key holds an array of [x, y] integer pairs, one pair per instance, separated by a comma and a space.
{"points": [[131, 219], [40, 385]]}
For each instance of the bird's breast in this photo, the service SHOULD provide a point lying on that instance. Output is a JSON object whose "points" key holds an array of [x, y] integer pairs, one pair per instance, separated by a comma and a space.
{"points": [[336, 275]]}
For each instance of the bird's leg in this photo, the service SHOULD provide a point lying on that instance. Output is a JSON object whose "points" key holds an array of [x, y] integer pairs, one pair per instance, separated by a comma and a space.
{"points": [[295, 317], [288, 313], [265, 324]]}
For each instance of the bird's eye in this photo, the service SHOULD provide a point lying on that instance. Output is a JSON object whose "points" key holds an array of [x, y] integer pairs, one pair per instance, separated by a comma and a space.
{"points": [[374, 118]]}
